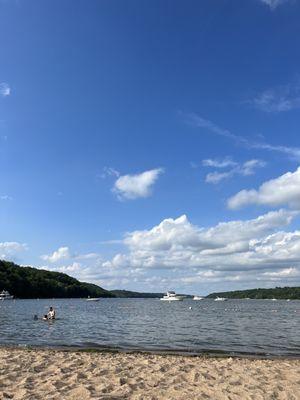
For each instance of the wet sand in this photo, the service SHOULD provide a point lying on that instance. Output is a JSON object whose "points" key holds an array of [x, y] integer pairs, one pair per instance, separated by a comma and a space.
{"points": [[65, 375]]}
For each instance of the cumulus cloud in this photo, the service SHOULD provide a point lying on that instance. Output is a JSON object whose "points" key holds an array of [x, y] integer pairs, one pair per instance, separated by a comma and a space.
{"points": [[197, 121], [181, 255], [273, 4], [176, 243], [9, 250], [136, 186], [178, 254], [4, 89], [64, 253], [247, 168], [284, 190], [61, 254]]}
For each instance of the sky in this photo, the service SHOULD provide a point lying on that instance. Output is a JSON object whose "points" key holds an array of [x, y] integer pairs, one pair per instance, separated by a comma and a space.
{"points": [[152, 145]]}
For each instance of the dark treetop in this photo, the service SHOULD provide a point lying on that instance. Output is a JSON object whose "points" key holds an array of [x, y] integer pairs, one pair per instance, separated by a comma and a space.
{"points": [[292, 293]]}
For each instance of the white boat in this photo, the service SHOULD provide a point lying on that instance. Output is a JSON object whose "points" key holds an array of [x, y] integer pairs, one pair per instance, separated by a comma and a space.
{"points": [[172, 296], [274, 299], [93, 299], [221, 298], [4, 295], [198, 298]]}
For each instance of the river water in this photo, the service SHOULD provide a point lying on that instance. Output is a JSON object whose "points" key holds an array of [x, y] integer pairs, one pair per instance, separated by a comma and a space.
{"points": [[259, 327]]}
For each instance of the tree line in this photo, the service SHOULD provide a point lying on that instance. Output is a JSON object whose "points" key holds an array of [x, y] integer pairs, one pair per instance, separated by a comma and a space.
{"points": [[28, 282], [292, 293]]}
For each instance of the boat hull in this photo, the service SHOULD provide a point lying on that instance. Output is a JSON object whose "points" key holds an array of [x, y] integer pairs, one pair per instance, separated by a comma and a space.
{"points": [[173, 299]]}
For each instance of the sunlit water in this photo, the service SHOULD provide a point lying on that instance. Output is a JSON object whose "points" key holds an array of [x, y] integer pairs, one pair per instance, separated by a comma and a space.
{"points": [[235, 326]]}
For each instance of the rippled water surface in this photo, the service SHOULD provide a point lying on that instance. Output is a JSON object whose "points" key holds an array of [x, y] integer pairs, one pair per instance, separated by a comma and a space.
{"points": [[235, 326]]}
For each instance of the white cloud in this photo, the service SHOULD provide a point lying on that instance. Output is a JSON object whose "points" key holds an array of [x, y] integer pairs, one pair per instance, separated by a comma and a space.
{"points": [[176, 243], [196, 120], [285, 272], [216, 177], [4, 89], [245, 169], [177, 254], [215, 163], [61, 254], [109, 171], [275, 192], [9, 250], [249, 167], [136, 186], [279, 99], [273, 4]]}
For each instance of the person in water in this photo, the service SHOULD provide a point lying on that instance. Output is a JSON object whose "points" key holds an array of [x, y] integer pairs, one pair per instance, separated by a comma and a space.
{"points": [[51, 313]]}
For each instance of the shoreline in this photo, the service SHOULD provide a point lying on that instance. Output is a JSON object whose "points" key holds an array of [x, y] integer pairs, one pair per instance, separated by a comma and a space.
{"points": [[31, 373], [160, 352]]}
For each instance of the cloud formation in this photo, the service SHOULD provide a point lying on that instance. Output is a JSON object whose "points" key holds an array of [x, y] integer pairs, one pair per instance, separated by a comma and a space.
{"points": [[131, 187], [273, 4], [196, 120], [109, 171], [279, 99], [4, 89], [61, 254], [9, 250], [175, 253], [284, 190], [217, 163], [228, 246], [64, 253], [247, 168]]}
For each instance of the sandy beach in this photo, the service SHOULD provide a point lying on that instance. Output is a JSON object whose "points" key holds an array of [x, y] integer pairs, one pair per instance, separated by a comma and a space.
{"points": [[52, 374]]}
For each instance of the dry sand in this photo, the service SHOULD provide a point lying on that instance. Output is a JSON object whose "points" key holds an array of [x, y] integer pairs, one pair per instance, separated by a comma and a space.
{"points": [[49, 374]]}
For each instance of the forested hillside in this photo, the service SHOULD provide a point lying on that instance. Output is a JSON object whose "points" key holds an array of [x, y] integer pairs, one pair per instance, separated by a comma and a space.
{"points": [[292, 293], [28, 282]]}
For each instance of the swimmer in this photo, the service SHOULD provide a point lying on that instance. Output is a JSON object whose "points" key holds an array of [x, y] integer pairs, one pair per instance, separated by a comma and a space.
{"points": [[51, 313]]}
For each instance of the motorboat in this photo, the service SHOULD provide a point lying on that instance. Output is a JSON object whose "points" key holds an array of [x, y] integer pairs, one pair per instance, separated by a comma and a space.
{"points": [[198, 298], [172, 296], [93, 298], [5, 295], [221, 298]]}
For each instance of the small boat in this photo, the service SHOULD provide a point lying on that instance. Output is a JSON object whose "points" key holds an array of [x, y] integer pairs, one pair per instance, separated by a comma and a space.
{"points": [[221, 298], [4, 295], [172, 296], [274, 299], [198, 298], [93, 298]]}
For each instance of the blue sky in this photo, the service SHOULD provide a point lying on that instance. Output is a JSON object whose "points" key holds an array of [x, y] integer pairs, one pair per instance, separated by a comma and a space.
{"points": [[128, 130]]}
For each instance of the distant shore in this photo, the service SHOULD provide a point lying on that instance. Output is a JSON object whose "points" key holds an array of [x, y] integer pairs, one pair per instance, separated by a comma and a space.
{"points": [[56, 374]]}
